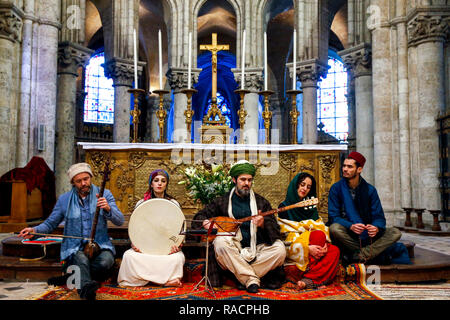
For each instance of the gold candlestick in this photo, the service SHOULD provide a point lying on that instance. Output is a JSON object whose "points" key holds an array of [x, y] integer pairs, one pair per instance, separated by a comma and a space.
{"points": [[242, 113], [161, 114], [189, 113], [267, 114], [136, 112], [294, 113]]}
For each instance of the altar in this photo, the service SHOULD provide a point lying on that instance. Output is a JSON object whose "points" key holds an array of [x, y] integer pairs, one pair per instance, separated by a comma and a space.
{"points": [[131, 164]]}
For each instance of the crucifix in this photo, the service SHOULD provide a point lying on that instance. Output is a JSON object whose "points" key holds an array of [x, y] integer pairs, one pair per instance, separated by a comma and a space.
{"points": [[214, 111]]}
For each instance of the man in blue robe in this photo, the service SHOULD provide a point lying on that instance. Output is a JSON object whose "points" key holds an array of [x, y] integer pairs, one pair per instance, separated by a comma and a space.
{"points": [[77, 209], [358, 224]]}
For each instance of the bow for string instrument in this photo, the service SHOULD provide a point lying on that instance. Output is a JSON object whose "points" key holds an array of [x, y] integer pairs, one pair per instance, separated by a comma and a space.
{"points": [[231, 225], [91, 249]]}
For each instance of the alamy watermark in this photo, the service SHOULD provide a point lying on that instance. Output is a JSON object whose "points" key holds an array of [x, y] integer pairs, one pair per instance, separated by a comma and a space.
{"points": [[215, 152]]}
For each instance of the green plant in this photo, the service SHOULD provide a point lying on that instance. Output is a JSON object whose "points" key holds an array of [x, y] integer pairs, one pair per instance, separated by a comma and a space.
{"points": [[205, 185]]}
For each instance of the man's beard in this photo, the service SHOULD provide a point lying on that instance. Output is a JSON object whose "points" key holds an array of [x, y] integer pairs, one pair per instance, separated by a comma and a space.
{"points": [[243, 192], [84, 192]]}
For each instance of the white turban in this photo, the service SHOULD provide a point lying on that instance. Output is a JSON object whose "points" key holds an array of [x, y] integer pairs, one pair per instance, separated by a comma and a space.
{"points": [[79, 168]]}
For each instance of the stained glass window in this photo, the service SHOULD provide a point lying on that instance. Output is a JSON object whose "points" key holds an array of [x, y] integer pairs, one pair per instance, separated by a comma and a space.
{"points": [[99, 101], [222, 104], [332, 107]]}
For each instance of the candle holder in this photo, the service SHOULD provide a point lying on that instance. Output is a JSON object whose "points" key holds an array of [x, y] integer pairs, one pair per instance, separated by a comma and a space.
{"points": [[435, 214], [136, 112], [419, 224], [408, 222], [189, 113], [267, 114], [242, 114], [161, 114], [294, 113]]}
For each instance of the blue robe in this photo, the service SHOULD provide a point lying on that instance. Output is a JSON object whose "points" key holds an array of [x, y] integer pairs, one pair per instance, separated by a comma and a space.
{"points": [[342, 209]]}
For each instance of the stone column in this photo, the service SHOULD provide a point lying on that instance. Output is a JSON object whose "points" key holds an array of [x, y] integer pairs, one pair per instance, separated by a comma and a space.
{"points": [[309, 73], [358, 61], [428, 31], [178, 80], [24, 133], [10, 33], [152, 129], [70, 57], [254, 83], [122, 73]]}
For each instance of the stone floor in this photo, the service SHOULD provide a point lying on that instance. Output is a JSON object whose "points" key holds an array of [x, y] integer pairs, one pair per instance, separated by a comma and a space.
{"points": [[421, 291]]}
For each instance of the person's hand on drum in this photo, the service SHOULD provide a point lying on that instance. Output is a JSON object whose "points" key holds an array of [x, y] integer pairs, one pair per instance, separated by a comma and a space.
{"points": [[135, 249]]}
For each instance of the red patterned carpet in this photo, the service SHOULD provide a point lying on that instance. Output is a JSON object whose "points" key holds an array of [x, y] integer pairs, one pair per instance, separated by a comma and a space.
{"points": [[348, 285]]}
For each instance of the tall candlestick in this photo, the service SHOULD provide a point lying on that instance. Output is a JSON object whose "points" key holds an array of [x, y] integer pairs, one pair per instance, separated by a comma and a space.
{"points": [[243, 61], [189, 60], [135, 59], [294, 62], [160, 59], [265, 61]]}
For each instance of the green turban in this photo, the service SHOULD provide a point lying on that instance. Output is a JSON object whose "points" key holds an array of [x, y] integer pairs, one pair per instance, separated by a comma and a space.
{"points": [[242, 167]]}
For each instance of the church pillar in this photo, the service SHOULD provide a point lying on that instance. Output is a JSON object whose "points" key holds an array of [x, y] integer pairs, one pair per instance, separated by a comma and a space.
{"points": [[358, 61], [427, 31], [309, 73], [122, 73], [253, 83], [178, 80], [382, 118], [10, 33], [70, 57], [24, 132], [152, 128]]}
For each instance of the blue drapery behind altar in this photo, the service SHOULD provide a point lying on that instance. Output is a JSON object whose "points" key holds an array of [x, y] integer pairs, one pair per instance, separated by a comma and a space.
{"points": [[226, 84]]}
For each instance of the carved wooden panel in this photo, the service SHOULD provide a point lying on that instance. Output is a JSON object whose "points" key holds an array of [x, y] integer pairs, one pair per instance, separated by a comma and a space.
{"points": [[130, 170]]}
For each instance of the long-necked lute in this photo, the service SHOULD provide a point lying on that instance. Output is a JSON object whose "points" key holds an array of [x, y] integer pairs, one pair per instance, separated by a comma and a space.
{"points": [[231, 225], [92, 249]]}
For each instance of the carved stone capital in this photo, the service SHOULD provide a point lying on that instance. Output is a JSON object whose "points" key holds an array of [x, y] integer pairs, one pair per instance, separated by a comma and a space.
{"points": [[122, 71], [310, 72], [254, 80], [71, 56], [178, 78], [358, 60], [10, 23], [426, 27]]}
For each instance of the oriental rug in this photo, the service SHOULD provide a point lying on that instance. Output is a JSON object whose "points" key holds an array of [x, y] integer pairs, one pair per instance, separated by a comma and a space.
{"points": [[349, 284]]}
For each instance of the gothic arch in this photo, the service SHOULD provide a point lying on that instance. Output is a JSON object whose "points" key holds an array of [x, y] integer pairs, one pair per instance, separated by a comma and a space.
{"points": [[196, 9]]}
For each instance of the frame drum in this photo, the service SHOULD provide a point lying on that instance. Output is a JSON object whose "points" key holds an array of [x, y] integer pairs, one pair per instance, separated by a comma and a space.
{"points": [[155, 226]]}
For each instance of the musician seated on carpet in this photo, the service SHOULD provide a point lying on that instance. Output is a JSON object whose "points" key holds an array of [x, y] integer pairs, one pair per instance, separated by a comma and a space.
{"points": [[77, 208], [257, 250], [317, 263], [358, 224], [137, 268]]}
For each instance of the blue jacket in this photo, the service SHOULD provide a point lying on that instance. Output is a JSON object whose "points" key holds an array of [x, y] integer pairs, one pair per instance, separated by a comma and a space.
{"points": [[342, 210], [70, 246]]}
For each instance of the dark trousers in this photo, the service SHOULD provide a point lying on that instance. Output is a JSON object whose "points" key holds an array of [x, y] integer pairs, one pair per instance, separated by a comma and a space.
{"points": [[96, 269], [345, 239]]}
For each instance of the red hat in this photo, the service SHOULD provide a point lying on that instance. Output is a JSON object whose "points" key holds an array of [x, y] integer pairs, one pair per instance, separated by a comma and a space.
{"points": [[318, 238], [358, 157]]}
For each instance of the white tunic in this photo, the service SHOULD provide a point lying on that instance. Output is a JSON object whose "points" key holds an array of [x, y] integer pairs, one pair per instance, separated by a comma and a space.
{"points": [[138, 269]]}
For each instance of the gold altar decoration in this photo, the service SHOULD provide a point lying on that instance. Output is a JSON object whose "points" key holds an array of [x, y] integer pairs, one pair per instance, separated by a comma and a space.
{"points": [[214, 110], [161, 114], [131, 168], [135, 113], [294, 113], [242, 114], [267, 114], [189, 113]]}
